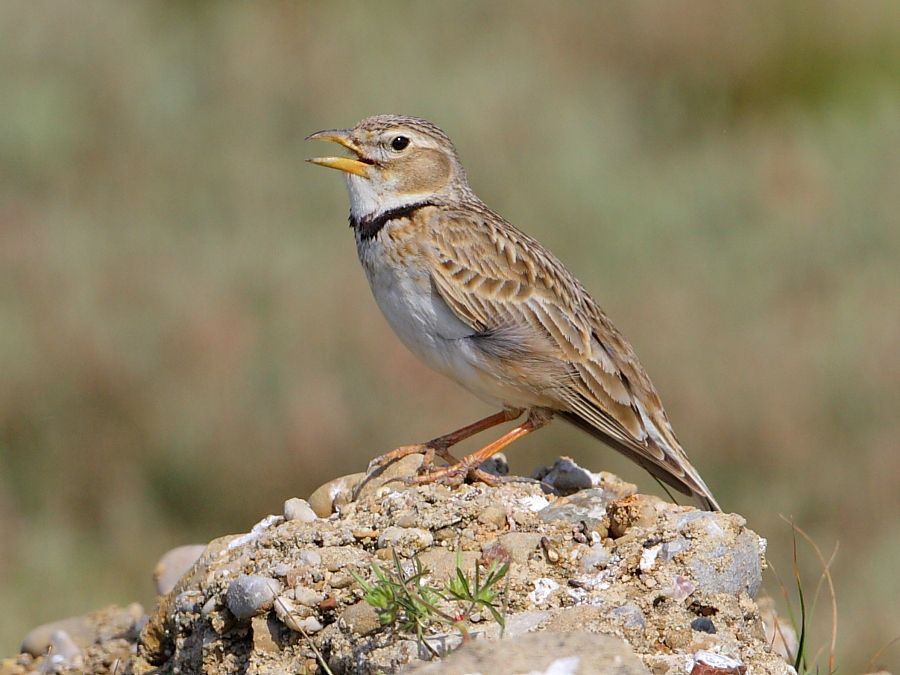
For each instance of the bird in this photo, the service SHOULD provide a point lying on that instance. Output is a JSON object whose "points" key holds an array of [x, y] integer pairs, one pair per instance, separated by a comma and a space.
{"points": [[488, 306]]}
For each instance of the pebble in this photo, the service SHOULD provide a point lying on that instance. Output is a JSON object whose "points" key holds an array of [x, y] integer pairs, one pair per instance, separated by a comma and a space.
{"points": [[587, 506], [310, 558], [63, 653], [249, 595], [520, 545], [672, 548], [496, 465], [704, 625], [710, 663], [732, 566], [337, 491], [79, 629], [409, 539], [173, 565], [361, 618], [565, 476], [596, 558], [441, 564], [629, 615], [341, 580], [636, 511], [493, 515], [300, 510], [543, 589], [308, 596]]}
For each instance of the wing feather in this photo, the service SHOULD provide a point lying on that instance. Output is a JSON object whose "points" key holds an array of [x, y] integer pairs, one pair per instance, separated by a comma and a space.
{"points": [[495, 277]]}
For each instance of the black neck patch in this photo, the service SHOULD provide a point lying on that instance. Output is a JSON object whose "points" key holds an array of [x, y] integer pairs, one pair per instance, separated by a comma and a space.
{"points": [[369, 226]]}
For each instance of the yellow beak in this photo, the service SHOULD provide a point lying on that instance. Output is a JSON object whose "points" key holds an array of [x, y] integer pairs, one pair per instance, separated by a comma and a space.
{"points": [[358, 167]]}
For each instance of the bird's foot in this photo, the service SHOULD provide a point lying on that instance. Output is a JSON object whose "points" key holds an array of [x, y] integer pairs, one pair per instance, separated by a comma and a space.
{"points": [[454, 475], [429, 450]]}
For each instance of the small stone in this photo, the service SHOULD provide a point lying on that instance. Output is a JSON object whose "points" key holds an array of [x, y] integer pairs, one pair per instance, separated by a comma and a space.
{"points": [[409, 539], [340, 490], [496, 465], [731, 566], [636, 511], [63, 653], [407, 519], [565, 476], [310, 558], [340, 580], [173, 565], [493, 515], [629, 616], [550, 551], [300, 510], [710, 663], [703, 625], [249, 595], [263, 638], [673, 548], [79, 629], [586, 506], [596, 558], [308, 596], [520, 545], [543, 589], [361, 618], [441, 563]]}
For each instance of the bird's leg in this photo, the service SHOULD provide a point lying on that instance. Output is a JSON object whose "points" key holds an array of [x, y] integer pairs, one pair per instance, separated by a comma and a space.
{"points": [[469, 464], [441, 444]]}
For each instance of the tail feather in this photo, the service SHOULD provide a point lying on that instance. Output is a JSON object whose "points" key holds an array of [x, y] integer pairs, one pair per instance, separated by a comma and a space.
{"points": [[688, 483]]}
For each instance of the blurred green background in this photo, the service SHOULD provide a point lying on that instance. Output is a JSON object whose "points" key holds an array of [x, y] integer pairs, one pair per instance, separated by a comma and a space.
{"points": [[186, 338]]}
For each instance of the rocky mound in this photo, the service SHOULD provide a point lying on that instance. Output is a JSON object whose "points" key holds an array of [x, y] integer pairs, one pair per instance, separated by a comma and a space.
{"points": [[576, 572]]}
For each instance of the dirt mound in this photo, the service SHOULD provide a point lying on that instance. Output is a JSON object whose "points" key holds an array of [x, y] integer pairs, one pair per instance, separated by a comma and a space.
{"points": [[397, 575]]}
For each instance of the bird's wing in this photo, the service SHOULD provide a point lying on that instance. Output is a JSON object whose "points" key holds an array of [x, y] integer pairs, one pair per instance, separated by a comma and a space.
{"points": [[506, 285]]}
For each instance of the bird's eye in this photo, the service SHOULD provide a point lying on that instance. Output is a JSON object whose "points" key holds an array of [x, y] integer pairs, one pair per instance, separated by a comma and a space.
{"points": [[399, 143]]}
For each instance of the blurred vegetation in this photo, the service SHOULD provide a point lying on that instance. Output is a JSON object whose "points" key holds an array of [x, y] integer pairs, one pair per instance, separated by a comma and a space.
{"points": [[186, 338]]}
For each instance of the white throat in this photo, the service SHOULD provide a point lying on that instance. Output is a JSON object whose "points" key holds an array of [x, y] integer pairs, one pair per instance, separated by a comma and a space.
{"points": [[366, 201]]}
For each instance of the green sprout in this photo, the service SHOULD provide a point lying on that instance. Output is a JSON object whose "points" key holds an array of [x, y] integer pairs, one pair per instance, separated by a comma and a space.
{"points": [[405, 600]]}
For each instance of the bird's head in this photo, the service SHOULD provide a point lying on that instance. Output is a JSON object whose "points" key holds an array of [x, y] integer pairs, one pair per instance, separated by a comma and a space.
{"points": [[396, 161]]}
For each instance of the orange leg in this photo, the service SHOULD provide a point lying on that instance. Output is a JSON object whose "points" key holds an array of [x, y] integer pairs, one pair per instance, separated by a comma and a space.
{"points": [[440, 444], [457, 472]]}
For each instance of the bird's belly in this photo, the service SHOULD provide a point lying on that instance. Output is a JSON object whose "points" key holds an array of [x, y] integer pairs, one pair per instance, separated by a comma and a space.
{"points": [[429, 328]]}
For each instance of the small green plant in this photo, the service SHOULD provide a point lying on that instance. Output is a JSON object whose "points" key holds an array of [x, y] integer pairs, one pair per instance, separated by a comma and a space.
{"points": [[405, 599]]}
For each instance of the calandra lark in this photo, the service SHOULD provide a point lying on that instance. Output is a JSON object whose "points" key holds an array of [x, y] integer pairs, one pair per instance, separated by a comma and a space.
{"points": [[488, 306]]}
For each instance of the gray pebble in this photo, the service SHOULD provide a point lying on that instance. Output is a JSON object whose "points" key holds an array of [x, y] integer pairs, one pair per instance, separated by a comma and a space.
{"points": [[730, 567], [672, 548], [249, 595], [299, 509], [629, 615], [566, 476]]}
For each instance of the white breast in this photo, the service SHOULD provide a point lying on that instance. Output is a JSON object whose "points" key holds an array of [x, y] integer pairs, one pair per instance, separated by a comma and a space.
{"points": [[426, 325]]}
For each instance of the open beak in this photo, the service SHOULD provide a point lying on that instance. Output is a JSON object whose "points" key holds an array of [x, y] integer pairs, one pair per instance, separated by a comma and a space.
{"points": [[359, 166]]}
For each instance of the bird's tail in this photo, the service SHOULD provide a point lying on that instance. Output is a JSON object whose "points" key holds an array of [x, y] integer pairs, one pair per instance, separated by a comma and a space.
{"points": [[675, 470]]}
